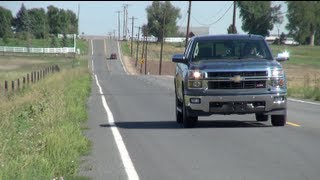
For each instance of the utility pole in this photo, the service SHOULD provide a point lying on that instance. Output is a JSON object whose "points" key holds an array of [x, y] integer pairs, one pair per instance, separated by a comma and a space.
{"points": [[161, 48], [187, 34], [137, 51], [146, 55], [118, 25], [133, 18], [234, 18], [143, 43], [78, 19], [125, 20]]}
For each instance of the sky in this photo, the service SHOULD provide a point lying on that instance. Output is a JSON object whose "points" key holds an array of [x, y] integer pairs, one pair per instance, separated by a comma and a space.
{"points": [[101, 18]]}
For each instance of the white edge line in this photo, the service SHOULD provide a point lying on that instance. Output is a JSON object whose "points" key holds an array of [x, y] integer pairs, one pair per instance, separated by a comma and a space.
{"points": [[126, 160], [121, 58], [104, 46], [306, 102], [92, 66], [91, 48]]}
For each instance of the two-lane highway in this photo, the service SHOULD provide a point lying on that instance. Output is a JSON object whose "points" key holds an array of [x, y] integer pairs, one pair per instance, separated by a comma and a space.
{"points": [[145, 142]]}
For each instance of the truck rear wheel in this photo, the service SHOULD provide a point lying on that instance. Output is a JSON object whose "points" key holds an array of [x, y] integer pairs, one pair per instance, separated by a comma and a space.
{"points": [[261, 117], [278, 120]]}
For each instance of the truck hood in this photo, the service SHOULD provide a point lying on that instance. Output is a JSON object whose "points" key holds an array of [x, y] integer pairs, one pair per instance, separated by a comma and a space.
{"points": [[235, 65]]}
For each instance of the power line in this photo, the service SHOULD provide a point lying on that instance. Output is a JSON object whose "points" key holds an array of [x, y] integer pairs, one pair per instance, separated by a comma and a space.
{"points": [[216, 20], [219, 11]]}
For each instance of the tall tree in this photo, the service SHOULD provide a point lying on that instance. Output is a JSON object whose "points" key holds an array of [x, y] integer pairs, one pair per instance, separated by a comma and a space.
{"points": [[73, 26], [38, 22], [22, 21], [54, 20], [258, 17], [162, 16], [230, 30], [64, 21], [303, 18], [5, 21]]}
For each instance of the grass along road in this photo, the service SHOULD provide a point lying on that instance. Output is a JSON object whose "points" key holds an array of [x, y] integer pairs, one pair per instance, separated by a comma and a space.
{"points": [[41, 127]]}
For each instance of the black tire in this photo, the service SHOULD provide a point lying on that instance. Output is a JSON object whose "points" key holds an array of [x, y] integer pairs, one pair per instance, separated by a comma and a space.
{"points": [[188, 121], [179, 115], [261, 117], [278, 120]]}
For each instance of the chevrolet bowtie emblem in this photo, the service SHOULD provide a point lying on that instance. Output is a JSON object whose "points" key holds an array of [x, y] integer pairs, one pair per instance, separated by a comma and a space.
{"points": [[236, 78]]}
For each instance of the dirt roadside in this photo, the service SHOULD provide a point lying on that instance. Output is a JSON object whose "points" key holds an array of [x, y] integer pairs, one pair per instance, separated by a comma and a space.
{"points": [[168, 68]]}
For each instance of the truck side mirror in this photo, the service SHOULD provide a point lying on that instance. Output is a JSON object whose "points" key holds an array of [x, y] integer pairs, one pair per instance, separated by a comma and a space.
{"points": [[179, 58], [284, 56]]}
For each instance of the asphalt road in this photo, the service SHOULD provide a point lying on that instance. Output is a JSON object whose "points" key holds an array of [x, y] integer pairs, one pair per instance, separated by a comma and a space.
{"points": [[234, 147]]}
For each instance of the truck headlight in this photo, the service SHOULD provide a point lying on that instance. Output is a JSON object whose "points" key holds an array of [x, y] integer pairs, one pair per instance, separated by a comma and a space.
{"points": [[277, 82], [277, 78], [277, 73], [195, 74]]}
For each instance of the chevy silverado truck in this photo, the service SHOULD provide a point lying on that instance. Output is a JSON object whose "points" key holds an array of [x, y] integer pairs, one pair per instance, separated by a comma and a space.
{"points": [[229, 74]]}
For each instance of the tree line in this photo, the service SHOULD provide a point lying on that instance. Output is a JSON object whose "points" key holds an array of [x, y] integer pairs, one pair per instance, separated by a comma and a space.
{"points": [[258, 17], [37, 23]]}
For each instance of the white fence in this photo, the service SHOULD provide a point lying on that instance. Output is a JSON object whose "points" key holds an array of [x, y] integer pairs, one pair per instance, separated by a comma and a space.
{"points": [[62, 50], [166, 39], [174, 39]]}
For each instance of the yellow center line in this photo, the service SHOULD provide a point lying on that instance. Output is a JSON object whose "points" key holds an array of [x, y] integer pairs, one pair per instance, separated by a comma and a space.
{"points": [[293, 124]]}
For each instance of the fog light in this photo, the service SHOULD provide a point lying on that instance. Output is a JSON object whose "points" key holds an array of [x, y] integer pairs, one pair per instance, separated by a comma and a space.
{"points": [[195, 100], [281, 82], [196, 84], [278, 98]]}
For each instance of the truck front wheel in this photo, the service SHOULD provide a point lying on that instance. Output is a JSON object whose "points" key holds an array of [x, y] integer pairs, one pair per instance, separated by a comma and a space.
{"points": [[179, 115], [278, 120], [188, 121], [261, 117]]}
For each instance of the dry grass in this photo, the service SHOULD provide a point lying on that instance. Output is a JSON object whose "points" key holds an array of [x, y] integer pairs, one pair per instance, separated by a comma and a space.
{"points": [[154, 50]]}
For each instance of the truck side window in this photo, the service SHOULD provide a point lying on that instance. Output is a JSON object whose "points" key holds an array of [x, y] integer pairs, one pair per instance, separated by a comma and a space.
{"points": [[187, 50]]}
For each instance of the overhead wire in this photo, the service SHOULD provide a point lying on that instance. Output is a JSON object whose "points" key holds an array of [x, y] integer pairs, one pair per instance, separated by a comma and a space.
{"points": [[210, 24], [210, 17]]}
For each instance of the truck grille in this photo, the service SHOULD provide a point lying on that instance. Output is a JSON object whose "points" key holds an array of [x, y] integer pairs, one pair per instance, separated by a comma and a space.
{"points": [[249, 80], [243, 74], [234, 85]]}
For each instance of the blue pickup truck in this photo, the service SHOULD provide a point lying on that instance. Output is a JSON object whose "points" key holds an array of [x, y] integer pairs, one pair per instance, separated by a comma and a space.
{"points": [[229, 74]]}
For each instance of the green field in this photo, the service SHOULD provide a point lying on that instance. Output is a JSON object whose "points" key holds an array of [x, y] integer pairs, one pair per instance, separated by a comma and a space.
{"points": [[12, 68], [300, 55]]}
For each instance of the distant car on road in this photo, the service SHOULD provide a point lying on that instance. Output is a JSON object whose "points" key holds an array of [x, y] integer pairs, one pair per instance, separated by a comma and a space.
{"points": [[113, 56]]}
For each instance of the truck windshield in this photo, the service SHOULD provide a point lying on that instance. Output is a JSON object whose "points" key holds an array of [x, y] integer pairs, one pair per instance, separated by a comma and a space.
{"points": [[230, 49]]}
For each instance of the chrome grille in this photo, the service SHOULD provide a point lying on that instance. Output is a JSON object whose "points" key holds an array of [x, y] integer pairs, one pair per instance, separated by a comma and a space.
{"points": [[248, 80]]}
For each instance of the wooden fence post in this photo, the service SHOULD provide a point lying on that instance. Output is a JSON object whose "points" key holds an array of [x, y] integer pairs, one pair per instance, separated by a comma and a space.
{"points": [[32, 77], [12, 86], [24, 81], [38, 76], [28, 78], [6, 86], [18, 84]]}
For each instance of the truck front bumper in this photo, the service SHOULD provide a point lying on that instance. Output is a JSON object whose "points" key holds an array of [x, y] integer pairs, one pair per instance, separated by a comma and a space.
{"points": [[239, 104]]}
